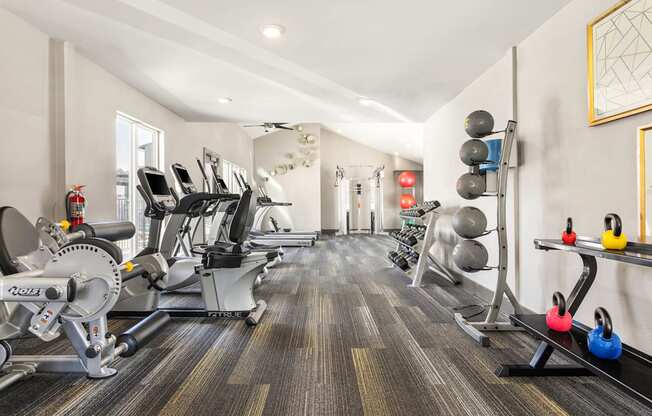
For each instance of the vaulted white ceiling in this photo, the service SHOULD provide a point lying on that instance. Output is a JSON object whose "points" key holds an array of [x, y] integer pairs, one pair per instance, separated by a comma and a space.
{"points": [[410, 57]]}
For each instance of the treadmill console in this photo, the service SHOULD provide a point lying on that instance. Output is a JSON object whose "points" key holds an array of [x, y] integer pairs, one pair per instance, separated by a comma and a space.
{"points": [[183, 178], [156, 187], [221, 185]]}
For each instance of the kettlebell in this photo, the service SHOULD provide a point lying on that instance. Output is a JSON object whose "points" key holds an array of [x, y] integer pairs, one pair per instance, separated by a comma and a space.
{"points": [[569, 236], [613, 237], [558, 318], [603, 342]]}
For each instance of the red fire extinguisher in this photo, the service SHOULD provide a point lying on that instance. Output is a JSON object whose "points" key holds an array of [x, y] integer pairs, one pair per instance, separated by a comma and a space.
{"points": [[75, 205]]}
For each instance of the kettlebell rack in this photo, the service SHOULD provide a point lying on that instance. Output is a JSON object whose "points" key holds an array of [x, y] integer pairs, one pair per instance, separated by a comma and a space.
{"points": [[491, 323], [632, 372], [413, 243]]}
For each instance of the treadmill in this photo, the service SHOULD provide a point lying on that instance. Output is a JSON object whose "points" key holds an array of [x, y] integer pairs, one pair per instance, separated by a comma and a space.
{"points": [[265, 205], [272, 238]]}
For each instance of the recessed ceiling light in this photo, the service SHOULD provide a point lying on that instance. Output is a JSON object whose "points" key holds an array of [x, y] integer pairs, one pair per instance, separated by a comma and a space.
{"points": [[365, 101], [272, 31], [224, 100], [395, 153]]}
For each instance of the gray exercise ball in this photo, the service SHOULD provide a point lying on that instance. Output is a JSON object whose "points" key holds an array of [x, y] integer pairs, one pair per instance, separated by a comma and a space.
{"points": [[470, 186], [474, 152], [469, 222], [470, 256], [479, 124]]}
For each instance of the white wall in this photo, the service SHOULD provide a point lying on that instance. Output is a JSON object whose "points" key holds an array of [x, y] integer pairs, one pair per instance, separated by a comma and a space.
{"points": [[570, 169], [95, 98], [565, 169], [299, 186], [27, 169], [54, 96], [339, 150]]}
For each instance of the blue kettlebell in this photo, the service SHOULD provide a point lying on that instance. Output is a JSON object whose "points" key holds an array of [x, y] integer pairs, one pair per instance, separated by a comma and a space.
{"points": [[603, 342]]}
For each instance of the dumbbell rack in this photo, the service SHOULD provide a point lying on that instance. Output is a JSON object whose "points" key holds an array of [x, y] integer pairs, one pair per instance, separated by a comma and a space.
{"points": [[632, 372], [419, 255], [491, 323]]}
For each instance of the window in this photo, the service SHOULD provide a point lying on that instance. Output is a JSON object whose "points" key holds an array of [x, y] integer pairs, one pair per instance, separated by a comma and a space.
{"points": [[229, 170], [137, 145]]}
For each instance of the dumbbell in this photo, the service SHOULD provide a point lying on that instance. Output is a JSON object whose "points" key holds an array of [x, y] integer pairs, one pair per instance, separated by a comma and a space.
{"points": [[410, 240], [430, 205], [410, 257], [398, 260]]}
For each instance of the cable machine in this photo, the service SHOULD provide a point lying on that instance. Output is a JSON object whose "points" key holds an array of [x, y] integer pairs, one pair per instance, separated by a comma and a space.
{"points": [[355, 195]]}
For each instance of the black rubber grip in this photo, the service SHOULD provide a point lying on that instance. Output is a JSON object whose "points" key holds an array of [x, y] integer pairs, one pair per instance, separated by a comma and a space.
{"points": [[72, 290], [136, 272], [136, 336], [112, 230]]}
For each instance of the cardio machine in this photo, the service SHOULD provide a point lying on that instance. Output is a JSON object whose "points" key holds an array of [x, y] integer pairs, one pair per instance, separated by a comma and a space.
{"points": [[280, 238], [219, 211], [54, 283], [193, 207], [226, 272]]}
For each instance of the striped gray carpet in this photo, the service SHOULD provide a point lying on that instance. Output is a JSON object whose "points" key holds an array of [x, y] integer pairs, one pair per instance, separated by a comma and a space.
{"points": [[343, 335]]}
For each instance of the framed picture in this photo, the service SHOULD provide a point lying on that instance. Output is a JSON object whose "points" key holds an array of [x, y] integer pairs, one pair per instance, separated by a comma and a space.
{"points": [[620, 62]]}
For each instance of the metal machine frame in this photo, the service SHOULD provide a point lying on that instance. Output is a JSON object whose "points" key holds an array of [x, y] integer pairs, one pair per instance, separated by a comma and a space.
{"points": [[344, 194], [67, 284]]}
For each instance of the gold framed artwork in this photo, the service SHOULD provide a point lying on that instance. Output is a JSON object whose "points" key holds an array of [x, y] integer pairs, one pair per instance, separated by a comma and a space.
{"points": [[644, 154], [619, 45]]}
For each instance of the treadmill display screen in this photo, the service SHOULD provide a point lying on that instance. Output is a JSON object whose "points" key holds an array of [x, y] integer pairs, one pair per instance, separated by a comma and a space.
{"points": [[157, 184], [184, 177], [222, 185]]}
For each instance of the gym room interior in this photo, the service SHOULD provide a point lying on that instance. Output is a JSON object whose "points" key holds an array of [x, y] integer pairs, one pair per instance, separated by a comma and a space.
{"points": [[289, 207]]}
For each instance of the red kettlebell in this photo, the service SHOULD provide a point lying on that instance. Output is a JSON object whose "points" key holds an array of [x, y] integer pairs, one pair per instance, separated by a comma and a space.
{"points": [[558, 318], [569, 236]]}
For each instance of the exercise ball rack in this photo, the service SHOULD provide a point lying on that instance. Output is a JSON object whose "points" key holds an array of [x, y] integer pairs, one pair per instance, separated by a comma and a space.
{"points": [[491, 323]]}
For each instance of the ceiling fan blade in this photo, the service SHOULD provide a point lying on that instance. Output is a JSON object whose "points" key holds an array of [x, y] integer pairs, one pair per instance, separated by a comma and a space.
{"points": [[284, 127], [254, 125]]}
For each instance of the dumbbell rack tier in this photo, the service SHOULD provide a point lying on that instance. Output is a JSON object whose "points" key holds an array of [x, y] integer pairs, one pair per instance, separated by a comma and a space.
{"points": [[491, 323], [422, 248], [632, 372]]}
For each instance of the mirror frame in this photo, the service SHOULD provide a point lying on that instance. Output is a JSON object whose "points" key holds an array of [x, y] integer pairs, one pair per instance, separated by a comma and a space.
{"points": [[642, 193]]}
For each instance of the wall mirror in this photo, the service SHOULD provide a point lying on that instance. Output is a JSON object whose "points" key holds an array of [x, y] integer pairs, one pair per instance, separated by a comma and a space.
{"points": [[645, 182]]}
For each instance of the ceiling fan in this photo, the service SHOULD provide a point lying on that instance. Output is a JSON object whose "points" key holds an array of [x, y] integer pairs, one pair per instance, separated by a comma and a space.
{"points": [[270, 126]]}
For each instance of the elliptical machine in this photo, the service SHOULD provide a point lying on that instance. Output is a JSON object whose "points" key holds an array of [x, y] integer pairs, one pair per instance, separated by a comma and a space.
{"points": [[54, 283], [226, 272]]}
